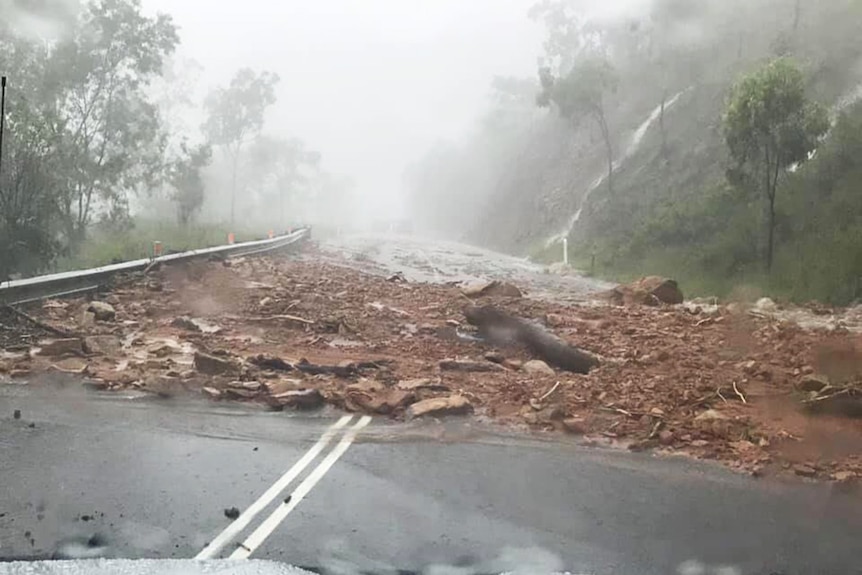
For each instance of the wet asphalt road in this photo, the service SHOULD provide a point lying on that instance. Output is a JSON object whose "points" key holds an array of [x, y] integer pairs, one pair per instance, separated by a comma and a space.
{"points": [[152, 478]]}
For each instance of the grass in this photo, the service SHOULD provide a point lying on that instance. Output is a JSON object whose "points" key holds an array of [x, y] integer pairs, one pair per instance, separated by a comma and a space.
{"points": [[103, 247]]}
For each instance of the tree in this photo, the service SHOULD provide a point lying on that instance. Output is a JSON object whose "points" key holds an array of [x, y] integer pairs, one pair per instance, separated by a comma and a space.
{"points": [[581, 93], [281, 171], [186, 180], [236, 115], [769, 126]]}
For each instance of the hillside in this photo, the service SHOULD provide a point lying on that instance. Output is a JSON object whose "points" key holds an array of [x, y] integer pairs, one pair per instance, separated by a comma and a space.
{"points": [[670, 207]]}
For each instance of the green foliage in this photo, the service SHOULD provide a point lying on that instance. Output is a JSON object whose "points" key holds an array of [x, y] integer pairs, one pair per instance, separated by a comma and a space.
{"points": [[769, 126]]}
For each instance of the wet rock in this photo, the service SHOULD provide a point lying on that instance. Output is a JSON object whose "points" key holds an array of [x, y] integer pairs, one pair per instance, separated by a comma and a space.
{"points": [[16, 414], [651, 290], [495, 357], [423, 383], [270, 362], [491, 289], [575, 425], [469, 366], [185, 322], [103, 311], [440, 406], [239, 393], [804, 470], [844, 476], [711, 415], [231, 512], [86, 318], [813, 383], [246, 385], [304, 399], [214, 365], [666, 437], [71, 365], [513, 364], [279, 386], [109, 345], [61, 347], [212, 392], [537, 366], [162, 385], [373, 397]]}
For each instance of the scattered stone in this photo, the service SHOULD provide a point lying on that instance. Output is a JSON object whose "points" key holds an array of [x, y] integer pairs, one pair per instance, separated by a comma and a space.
{"points": [[651, 290], [710, 415], [71, 365], [804, 470], [16, 414], [575, 426], [87, 318], [213, 365], [469, 366], [61, 347], [246, 385], [108, 345], [491, 289], [813, 383], [423, 383], [440, 406], [537, 366], [303, 399], [513, 364], [185, 322], [212, 392], [270, 362], [397, 277], [666, 437], [495, 357], [103, 311], [844, 476], [231, 512], [279, 386]]}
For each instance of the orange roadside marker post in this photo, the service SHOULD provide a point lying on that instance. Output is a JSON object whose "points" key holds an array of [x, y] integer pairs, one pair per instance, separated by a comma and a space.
{"points": [[231, 238], [270, 234], [157, 249]]}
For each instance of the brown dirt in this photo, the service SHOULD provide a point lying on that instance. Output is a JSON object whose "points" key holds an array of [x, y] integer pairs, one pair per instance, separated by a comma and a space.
{"points": [[662, 368]]}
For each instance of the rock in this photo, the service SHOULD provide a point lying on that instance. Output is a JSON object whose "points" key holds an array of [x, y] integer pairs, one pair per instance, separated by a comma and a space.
{"points": [[711, 415], [212, 392], [265, 301], [60, 347], [374, 397], [537, 366], [843, 476], [213, 365], [804, 470], [513, 364], [651, 290], [279, 386], [469, 366], [555, 320], [16, 414], [162, 385], [298, 399], [440, 406], [71, 365], [185, 322], [495, 357], [666, 437], [231, 512], [491, 289], [239, 393], [766, 305], [103, 344], [102, 310], [87, 318], [270, 362], [422, 383], [246, 385], [575, 425], [813, 383]]}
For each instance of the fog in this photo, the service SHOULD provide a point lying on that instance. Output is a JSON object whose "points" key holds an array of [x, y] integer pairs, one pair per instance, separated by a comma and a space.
{"points": [[372, 84]]}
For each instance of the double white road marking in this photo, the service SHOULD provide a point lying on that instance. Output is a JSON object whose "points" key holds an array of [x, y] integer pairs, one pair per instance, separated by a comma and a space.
{"points": [[259, 535]]}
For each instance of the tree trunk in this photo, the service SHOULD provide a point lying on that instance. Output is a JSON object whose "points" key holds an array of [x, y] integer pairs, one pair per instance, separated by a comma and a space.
{"points": [[796, 16], [771, 233], [233, 187]]}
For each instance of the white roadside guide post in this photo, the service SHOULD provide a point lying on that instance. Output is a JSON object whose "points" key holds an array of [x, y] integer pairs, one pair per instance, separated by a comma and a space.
{"points": [[566, 251]]}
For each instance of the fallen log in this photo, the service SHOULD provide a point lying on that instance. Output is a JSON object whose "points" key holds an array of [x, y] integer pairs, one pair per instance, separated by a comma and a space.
{"points": [[502, 329]]}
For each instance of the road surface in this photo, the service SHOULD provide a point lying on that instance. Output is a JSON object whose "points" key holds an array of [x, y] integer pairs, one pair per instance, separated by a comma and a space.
{"points": [[152, 478]]}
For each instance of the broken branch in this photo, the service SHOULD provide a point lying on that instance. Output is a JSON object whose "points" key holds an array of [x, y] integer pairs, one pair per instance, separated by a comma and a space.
{"points": [[739, 393]]}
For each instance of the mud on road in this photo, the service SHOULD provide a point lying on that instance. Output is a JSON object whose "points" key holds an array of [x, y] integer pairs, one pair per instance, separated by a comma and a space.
{"points": [[324, 328]]}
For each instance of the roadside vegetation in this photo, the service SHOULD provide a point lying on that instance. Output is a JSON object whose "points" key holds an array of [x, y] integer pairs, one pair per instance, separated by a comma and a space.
{"points": [[98, 143]]}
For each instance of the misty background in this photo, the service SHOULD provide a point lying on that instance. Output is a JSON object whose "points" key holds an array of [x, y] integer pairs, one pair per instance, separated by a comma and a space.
{"points": [[512, 125]]}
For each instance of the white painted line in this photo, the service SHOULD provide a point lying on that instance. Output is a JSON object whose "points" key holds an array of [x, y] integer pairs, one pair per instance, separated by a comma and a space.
{"points": [[245, 518], [264, 530]]}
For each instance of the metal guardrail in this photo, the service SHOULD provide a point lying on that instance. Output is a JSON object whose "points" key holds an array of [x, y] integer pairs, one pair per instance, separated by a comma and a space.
{"points": [[80, 281]]}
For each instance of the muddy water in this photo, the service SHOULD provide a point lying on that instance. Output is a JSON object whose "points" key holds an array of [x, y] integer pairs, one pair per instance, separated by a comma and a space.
{"points": [[436, 261]]}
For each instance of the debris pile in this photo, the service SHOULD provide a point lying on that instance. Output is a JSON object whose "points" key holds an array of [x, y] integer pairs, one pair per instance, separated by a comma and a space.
{"points": [[712, 381]]}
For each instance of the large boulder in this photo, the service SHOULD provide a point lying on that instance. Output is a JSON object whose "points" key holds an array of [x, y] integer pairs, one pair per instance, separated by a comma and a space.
{"points": [[61, 347], [214, 365], [102, 310], [650, 290]]}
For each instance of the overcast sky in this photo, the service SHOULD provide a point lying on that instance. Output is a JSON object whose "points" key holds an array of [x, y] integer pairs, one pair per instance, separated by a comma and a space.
{"points": [[370, 84]]}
